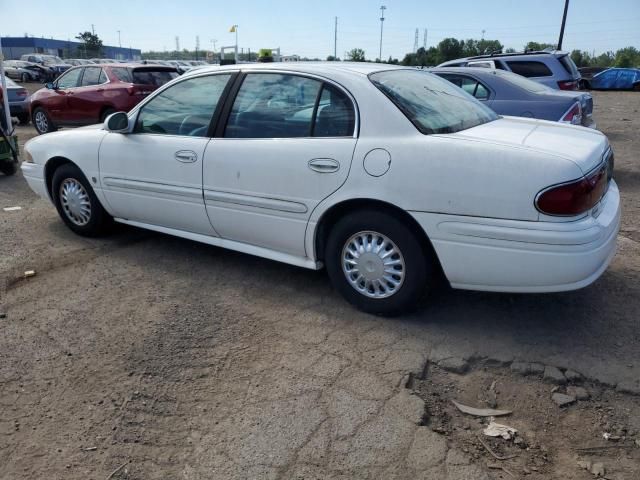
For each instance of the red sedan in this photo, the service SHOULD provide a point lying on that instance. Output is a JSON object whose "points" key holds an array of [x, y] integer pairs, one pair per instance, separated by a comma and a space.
{"points": [[88, 94]]}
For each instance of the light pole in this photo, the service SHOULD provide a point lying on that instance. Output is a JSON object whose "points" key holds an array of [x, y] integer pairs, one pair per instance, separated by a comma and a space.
{"points": [[564, 20], [382, 9], [119, 42]]}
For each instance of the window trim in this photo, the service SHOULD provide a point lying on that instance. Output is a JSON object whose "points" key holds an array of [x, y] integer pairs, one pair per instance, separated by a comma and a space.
{"points": [[133, 115], [231, 98]]}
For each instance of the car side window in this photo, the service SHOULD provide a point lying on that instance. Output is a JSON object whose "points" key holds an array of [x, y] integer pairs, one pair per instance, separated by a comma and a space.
{"points": [[185, 108], [273, 105], [91, 76], [122, 74], [335, 116], [69, 79], [529, 68], [469, 85]]}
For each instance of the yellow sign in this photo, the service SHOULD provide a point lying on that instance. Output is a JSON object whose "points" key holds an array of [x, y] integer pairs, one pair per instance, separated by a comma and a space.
{"points": [[233, 28]]}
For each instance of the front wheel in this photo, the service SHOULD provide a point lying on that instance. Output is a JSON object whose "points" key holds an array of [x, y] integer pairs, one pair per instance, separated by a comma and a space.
{"points": [[76, 202], [377, 262], [42, 121]]}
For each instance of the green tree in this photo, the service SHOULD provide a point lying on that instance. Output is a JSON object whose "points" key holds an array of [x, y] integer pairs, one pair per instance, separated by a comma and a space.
{"points": [[627, 57], [450, 49], [92, 45], [510, 50], [538, 46], [356, 55], [331, 58], [581, 58]]}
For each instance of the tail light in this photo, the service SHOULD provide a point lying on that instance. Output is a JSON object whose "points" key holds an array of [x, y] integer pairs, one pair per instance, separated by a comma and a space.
{"points": [[568, 85], [575, 197], [22, 93], [573, 116]]}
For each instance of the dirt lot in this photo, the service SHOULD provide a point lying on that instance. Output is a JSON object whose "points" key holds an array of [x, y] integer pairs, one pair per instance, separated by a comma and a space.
{"points": [[159, 358]]}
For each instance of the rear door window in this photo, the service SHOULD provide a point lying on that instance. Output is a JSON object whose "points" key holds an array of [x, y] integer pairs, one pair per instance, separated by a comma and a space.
{"points": [[335, 116], [529, 68], [152, 77], [469, 85], [122, 74], [569, 66]]}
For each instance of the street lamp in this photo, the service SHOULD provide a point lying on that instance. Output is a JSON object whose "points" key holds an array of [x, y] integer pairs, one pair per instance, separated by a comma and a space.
{"points": [[382, 9]]}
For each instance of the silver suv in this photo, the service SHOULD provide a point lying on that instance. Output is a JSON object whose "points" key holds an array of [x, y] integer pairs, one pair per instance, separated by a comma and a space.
{"points": [[552, 68]]}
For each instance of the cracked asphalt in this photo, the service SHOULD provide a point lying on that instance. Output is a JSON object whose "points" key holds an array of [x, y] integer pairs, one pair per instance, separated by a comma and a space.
{"points": [[166, 359]]}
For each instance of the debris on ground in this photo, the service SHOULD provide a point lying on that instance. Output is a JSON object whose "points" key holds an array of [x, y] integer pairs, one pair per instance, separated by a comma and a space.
{"points": [[598, 469], [11, 209], [29, 273], [480, 412], [554, 375], [498, 430], [580, 393], [562, 400], [613, 438]]}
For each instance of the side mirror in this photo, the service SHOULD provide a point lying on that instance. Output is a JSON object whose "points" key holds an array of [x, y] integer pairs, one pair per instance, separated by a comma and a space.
{"points": [[50, 85], [117, 123]]}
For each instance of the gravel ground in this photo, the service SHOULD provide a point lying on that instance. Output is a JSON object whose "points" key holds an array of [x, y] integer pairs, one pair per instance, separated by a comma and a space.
{"points": [[172, 359]]}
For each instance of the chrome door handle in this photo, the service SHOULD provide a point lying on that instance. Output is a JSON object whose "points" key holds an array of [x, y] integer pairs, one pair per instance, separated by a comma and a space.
{"points": [[186, 156], [324, 165]]}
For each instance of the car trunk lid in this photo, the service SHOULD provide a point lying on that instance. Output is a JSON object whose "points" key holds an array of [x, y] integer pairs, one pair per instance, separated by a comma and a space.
{"points": [[584, 147]]}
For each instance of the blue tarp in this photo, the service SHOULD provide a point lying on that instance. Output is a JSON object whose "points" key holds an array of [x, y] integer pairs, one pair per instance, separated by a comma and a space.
{"points": [[616, 79]]}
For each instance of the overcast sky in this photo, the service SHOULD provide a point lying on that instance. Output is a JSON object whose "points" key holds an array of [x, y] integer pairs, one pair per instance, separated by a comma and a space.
{"points": [[306, 27]]}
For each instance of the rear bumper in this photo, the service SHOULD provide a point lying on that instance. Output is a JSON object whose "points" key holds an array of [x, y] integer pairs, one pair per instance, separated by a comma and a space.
{"points": [[517, 256], [19, 107]]}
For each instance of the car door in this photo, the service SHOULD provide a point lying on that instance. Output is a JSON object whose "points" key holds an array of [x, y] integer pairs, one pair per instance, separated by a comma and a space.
{"points": [[87, 100], [58, 102], [153, 175], [287, 144]]}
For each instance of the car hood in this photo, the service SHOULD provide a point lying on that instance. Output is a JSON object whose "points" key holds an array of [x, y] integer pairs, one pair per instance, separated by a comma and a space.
{"points": [[583, 146]]}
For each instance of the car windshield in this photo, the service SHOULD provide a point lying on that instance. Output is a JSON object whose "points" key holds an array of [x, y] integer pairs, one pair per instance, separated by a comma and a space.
{"points": [[523, 82], [52, 59], [433, 105]]}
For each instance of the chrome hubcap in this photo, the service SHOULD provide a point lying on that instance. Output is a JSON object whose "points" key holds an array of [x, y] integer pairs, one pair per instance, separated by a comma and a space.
{"points": [[41, 122], [75, 201], [373, 264]]}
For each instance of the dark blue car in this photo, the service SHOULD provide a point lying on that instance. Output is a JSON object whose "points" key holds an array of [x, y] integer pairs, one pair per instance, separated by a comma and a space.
{"points": [[616, 79]]}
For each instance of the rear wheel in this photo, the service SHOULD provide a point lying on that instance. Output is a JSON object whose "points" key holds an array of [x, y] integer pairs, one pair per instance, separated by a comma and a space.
{"points": [[76, 202], [42, 121], [377, 262], [106, 113], [8, 167]]}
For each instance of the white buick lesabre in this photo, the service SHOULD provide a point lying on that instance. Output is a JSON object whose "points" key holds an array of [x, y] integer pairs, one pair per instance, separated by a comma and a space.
{"points": [[387, 176]]}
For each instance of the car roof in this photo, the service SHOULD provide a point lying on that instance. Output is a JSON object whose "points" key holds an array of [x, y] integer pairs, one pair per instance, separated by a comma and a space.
{"points": [[363, 68]]}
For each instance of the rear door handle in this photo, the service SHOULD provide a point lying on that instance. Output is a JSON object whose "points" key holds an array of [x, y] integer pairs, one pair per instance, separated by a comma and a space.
{"points": [[186, 156], [324, 165]]}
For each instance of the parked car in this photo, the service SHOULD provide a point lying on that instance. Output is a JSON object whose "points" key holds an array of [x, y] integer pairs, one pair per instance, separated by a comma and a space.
{"points": [[180, 65], [587, 73], [18, 70], [18, 97], [554, 69], [383, 174], [78, 61], [509, 94], [56, 66], [86, 95], [616, 79], [40, 71]]}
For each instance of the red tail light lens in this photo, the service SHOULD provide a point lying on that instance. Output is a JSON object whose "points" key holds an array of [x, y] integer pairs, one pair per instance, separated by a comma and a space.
{"points": [[568, 85], [22, 93], [576, 197], [573, 116]]}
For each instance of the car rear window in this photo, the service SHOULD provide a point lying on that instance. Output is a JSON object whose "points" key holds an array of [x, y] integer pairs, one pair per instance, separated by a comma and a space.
{"points": [[152, 76], [432, 104], [569, 66], [524, 83], [529, 68], [122, 74]]}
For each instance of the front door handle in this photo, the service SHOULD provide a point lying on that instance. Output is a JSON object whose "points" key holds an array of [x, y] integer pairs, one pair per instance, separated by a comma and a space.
{"points": [[324, 165], [186, 156]]}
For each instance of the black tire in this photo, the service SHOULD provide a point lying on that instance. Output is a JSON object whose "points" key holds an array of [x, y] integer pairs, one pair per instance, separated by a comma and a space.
{"points": [[8, 167], [24, 118], [419, 266], [98, 221], [45, 126], [106, 113]]}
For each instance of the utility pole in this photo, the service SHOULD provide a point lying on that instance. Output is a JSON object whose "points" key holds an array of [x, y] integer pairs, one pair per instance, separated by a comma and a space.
{"points": [[335, 40], [197, 45], [415, 42], [564, 20], [483, 34], [119, 42], [93, 30], [424, 42], [382, 9]]}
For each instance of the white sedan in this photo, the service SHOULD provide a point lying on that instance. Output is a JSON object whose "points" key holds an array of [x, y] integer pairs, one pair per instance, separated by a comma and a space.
{"points": [[387, 176]]}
